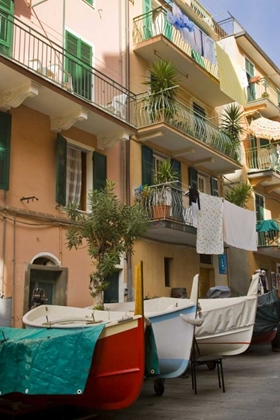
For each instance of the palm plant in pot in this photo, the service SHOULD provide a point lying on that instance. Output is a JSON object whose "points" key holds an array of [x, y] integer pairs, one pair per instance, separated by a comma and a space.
{"points": [[164, 178], [163, 85], [232, 126]]}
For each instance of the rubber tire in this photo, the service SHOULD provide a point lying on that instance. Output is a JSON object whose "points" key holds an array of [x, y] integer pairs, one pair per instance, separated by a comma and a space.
{"points": [[159, 386], [211, 365]]}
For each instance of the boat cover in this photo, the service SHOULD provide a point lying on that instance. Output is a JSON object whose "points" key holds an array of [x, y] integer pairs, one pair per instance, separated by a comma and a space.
{"points": [[267, 316], [226, 314], [46, 361]]}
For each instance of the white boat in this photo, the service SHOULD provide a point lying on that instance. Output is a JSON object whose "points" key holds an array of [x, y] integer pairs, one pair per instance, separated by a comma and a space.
{"points": [[228, 323], [173, 336]]}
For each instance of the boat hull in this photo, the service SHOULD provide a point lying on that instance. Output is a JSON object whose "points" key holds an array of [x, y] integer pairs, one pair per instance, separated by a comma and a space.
{"points": [[116, 374]]}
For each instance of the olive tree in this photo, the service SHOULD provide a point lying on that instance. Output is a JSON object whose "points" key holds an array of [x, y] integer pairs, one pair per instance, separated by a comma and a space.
{"points": [[109, 230]]}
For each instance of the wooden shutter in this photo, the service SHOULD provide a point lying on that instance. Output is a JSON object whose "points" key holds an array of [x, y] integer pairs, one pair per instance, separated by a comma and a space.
{"points": [[61, 154], [6, 26], [251, 88], [78, 64], [5, 144], [259, 202], [99, 170], [176, 166], [147, 166], [90, 2], [147, 29], [193, 178], [214, 187]]}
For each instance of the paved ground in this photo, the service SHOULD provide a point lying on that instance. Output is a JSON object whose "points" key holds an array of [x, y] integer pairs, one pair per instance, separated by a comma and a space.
{"points": [[252, 393]]}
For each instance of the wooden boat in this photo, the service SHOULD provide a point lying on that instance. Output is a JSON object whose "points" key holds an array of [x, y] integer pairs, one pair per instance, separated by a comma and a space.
{"points": [[116, 370], [173, 336], [228, 323]]}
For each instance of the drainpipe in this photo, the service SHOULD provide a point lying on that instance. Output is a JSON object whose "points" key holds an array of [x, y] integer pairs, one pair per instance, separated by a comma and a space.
{"points": [[3, 251], [14, 275], [127, 144]]}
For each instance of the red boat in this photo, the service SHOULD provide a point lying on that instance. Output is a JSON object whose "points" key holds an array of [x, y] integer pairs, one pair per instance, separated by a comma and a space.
{"points": [[117, 366]]}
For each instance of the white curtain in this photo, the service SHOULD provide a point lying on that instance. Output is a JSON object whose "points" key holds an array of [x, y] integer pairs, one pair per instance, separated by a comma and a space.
{"points": [[73, 175]]}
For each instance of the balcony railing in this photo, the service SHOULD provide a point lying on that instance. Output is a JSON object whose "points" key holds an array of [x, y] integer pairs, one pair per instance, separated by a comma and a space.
{"points": [[269, 233], [35, 52], [156, 108], [155, 23], [263, 89], [262, 158], [166, 202]]}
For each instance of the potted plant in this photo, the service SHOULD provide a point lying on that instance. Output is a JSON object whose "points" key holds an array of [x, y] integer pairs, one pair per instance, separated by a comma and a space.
{"points": [[232, 126], [163, 85], [164, 176]]}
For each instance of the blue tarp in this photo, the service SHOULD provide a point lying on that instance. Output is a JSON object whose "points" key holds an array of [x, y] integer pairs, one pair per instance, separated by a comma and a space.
{"points": [[46, 361]]}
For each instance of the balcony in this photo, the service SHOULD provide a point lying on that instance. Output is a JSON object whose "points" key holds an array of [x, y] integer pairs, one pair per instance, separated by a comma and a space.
{"points": [[41, 74], [154, 37], [269, 237], [264, 167], [171, 217], [264, 96], [174, 126]]}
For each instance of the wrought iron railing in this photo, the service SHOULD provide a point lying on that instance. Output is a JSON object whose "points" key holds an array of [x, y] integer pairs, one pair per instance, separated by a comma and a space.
{"points": [[262, 158], [165, 201], [39, 54], [154, 23], [263, 89], [158, 107], [270, 237]]}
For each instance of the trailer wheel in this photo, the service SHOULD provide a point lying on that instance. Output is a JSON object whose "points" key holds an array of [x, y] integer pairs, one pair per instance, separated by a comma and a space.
{"points": [[159, 386], [211, 365]]}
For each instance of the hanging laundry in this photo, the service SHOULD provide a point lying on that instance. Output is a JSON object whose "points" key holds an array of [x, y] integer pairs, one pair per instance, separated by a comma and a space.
{"points": [[209, 239], [239, 227]]}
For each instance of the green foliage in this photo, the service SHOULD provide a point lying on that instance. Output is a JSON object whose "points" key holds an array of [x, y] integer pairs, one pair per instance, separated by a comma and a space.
{"points": [[231, 122], [165, 173], [109, 230], [164, 75], [238, 194]]}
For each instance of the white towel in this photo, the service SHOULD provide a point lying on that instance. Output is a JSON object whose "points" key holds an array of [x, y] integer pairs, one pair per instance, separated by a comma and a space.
{"points": [[239, 227], [209, 238]]}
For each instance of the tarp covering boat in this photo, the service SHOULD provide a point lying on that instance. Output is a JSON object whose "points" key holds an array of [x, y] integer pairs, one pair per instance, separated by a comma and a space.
{"points": [[46, 361], [267, 316]]}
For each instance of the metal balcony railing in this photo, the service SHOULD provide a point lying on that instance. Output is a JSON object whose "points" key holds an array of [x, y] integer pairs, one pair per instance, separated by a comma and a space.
{"points": [[261, 88], [154, 23], [158, 107], [262, 158], [271, 236], [37, 53], [165, 201]]}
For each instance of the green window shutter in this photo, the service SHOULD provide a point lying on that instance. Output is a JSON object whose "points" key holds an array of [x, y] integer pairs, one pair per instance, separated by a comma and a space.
{"points": [[99, 170], [5, 144], [176, 166], [147, 166], [193, 178], [6, 26], [147, 29], [259, 202], [90, 2], [214, 187], [78, 52], [251, 88], [61, 155]]}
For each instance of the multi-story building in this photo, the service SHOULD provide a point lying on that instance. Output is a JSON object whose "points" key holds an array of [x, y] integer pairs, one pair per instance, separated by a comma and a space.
{"points": [[75, 110]]}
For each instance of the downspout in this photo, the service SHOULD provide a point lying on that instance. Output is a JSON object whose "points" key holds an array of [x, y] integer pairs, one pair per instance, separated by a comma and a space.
{"points": [[127, 144], [3, 251], [14, 275]]}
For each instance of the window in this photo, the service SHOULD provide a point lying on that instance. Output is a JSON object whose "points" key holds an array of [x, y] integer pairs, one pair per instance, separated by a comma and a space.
{"points": [[5, 143], [78, 171], [251, 88], [150, 163], [90, 2], [79, 64], [167, 270], [205, 259], [6, 9], [199, 124], [203, 183], [260, 206]]}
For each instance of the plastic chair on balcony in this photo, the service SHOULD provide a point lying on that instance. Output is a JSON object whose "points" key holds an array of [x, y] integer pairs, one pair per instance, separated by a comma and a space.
{"points": [[52, 71], [118, 105]]}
